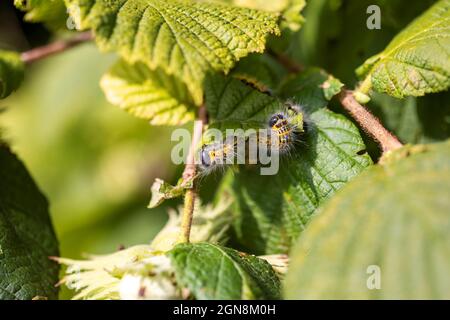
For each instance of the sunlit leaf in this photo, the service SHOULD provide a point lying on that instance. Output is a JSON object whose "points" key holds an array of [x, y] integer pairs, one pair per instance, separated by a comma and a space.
{"points": [[416, 61], [149, 94], [383, 236], [184, 38]]}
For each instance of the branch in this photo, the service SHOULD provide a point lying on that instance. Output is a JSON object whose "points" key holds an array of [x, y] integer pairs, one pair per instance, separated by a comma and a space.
{"points": [[189, 175], [55, 47], [368, 122]]}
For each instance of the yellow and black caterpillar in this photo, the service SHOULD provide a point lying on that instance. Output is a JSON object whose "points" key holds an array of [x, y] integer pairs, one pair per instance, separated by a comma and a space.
{"points": [[285, 127]]}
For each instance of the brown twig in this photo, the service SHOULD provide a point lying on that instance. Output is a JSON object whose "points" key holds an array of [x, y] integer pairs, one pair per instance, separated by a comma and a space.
{"points": [[368, 122], [55, 47], [189, 176]]}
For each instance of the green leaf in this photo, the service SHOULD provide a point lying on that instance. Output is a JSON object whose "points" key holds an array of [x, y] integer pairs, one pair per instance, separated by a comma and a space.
{"points": [[184, 38], [330, 46], [260, 70], [416, 61], [27, 237], [233, 104], [271, 211], [51, 12], [394, 216], [11, 72], [213, 272], [331, 87], [152, 95], [290, 9], [162, 191]]}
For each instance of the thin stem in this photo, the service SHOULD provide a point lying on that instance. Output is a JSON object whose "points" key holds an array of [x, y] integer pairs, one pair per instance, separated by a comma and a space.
{"points": [[188, 214], [368, 122], [55, 47], [189, 175]]}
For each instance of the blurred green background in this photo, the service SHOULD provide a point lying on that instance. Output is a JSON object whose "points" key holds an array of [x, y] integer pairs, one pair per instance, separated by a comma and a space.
{"points": [[94, 162]]}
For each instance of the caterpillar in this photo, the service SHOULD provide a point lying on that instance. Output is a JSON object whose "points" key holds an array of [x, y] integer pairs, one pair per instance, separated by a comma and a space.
{"points": [[217, 155], [285, 126]]}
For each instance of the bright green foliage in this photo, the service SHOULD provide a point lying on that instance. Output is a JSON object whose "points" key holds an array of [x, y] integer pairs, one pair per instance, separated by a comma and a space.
{"points": [[331, 87], [394, 216], [51, 12], [271, 211], [213, 272], [290, 9], [11, 72], [184, 38], [161, 191], [151, 95], [27, 237], [416, 61]]}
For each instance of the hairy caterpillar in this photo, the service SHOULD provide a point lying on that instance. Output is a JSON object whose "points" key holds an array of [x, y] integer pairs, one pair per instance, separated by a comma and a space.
{"points": [[285, 127]]}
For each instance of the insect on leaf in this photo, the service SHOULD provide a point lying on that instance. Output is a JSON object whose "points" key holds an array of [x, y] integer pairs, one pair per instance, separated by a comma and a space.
{"points": [[326, 157]]}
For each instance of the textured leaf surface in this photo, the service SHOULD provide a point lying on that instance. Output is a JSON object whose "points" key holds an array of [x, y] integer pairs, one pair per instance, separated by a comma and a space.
{"points": [[51, 12], [417, 61], [182, 37], [153, 95], [213, 272], [394, 216], [11, 72], [271, 211], [290, 9], [233, 104], [331, 87], [27, 238]]}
